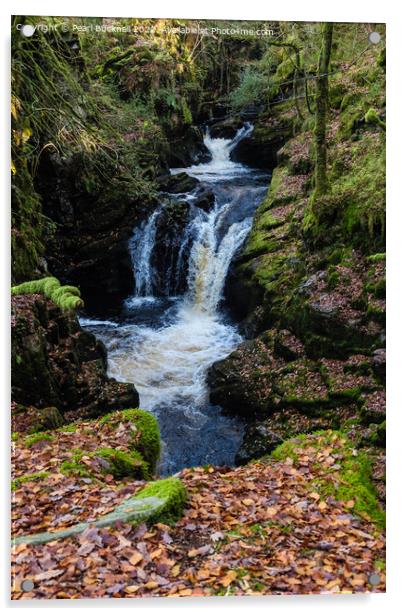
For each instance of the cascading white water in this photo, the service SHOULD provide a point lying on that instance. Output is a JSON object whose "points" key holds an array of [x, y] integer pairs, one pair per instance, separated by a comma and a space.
{"points": [[210, 258], [166, 345], [141, 246]]}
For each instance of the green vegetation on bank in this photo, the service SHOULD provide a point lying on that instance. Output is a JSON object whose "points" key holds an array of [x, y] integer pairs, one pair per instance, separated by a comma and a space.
{"points": [[95, 118], [119, 464], [66, 297], [351, 483], [173, 492], [144, 430], [16, 483]]}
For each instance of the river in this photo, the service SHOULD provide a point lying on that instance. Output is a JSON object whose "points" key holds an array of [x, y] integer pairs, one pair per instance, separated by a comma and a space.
{"points": [[165, 341]]}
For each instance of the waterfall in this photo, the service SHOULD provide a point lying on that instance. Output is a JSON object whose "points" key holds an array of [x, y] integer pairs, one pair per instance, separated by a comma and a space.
{"points": [[141, 246], [210, 254], [220, 148], [169, 334], [210, 259]]}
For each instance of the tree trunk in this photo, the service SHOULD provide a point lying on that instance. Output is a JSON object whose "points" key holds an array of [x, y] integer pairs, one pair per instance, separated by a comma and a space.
{"points": [[321, 180]]}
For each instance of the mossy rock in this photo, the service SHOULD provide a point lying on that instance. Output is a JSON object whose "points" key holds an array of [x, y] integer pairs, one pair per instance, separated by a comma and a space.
{"points": [[373, 409], [106, 461], [138, 458], [300, 384], [351, 483], [149, 442], [161, 500], [373, 118], [348, 381], [30, 419], [174, 494], [67, 298]]}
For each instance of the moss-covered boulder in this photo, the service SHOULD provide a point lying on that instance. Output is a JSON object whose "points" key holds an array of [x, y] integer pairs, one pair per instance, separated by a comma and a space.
{"points": [[143, 432], [104, 462], [29, 419], [122, 444], [177, 183], [242, 383]]}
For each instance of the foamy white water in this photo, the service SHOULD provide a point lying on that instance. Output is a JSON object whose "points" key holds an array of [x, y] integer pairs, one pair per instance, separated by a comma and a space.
{"points": [[165, 345]]}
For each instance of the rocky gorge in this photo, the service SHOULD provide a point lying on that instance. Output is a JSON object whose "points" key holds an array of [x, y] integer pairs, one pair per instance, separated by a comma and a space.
{"points": [[190, 304]]}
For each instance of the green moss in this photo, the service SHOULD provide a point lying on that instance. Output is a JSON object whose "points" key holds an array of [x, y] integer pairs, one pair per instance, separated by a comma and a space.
{"points": [[72, 468], [376, 312], [380, 256], [333, 279], [377, 288], [160, 501], [378, 434], [67, 298], [122, 464], [29, 226], [300, 384], [37, 437], [118, 463], [380, 289], [268, 221], [372, 117], [354, 211], [16, 483], [379, 564], [353, 481], [73, 465], [73, 427], [289, 449], [149, 442], [175, 493]]}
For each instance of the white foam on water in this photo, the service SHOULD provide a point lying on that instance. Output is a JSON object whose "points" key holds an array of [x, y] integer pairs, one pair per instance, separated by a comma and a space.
{"points": [[169, 359]]}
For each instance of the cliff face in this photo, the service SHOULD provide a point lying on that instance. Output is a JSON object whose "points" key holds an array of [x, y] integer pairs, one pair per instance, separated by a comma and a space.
{"points": [[56, 364]]}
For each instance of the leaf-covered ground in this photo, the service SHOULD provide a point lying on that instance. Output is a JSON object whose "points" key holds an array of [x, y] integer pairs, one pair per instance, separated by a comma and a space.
{"points": [[262, 528]]}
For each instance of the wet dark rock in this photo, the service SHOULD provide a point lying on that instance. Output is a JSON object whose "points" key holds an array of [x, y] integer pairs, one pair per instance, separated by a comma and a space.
{"points": [[245, 302], [178, 183], [205, 199], [57, 364], [186, 147], [225, 129], [379, 363], [258, 440], [171, 225], [261, 147], [89, 248]]}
